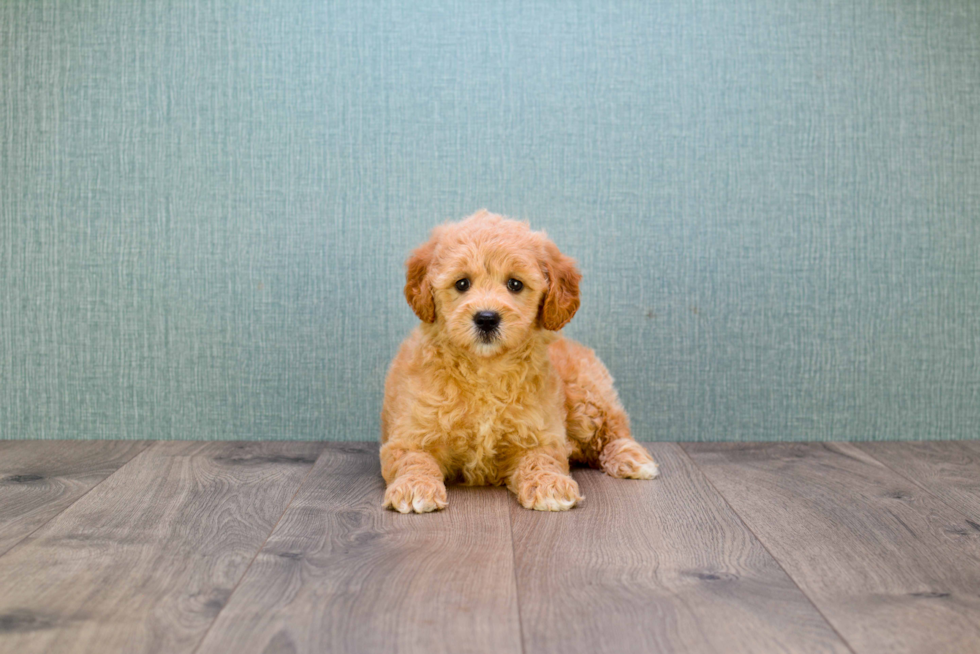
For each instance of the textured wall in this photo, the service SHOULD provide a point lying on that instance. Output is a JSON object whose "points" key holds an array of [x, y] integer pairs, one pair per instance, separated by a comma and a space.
{"points": [[206, 206]]}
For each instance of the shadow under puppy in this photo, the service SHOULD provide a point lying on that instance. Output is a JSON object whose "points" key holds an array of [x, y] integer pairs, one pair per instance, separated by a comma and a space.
{"points": [[486, 390]]}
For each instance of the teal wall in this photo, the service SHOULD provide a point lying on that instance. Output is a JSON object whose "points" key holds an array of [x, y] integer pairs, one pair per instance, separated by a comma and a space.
{"points": [[206, 206]]}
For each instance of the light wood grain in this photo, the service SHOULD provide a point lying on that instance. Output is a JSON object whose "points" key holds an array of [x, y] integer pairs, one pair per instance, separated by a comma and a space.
{"points": [[144, 562], [341, 574], [656, 566], [892, 567], [950, 470], [39, 479]]}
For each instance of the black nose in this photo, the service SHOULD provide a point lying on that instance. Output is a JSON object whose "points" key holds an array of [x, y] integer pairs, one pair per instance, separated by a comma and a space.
{"points": [[486, 321]]}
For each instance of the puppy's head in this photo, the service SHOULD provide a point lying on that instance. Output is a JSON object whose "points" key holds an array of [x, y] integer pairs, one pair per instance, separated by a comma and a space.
{"points": [[487, 283]]}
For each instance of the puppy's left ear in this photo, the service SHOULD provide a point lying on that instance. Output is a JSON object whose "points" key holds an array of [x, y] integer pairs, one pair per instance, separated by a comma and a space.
{"points": [[561, 300], [418, 290]]}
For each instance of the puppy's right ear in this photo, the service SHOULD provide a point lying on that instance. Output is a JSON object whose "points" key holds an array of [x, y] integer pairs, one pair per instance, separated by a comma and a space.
{"points": [[418, 291], [561, 300]]}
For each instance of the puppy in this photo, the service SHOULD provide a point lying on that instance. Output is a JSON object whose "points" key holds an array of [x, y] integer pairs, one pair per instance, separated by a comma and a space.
{"points": [[486, 390]]}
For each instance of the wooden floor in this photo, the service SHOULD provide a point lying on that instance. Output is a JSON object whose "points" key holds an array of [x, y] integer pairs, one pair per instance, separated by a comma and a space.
{"points": [[179, 547]]}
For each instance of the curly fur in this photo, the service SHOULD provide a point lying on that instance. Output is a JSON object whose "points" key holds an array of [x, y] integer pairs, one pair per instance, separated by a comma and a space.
{"points": [[511, 411]]}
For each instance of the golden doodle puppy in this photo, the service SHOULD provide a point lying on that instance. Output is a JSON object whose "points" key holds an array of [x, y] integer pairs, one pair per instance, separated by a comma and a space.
{"points": [[486, 390]]}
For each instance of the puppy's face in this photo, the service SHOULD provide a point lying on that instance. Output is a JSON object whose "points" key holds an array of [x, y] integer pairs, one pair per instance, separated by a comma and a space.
{"points": [[488, 283], [487, 294]]}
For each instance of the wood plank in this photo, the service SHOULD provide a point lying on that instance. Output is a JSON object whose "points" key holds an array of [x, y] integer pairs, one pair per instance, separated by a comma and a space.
{"points": [[144, 562], [40, 479], [341, 574], [950, 470], [656, 566], [893, 568]]}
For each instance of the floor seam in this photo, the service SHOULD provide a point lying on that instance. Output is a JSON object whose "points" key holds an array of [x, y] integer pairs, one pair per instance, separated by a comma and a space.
{"points": [[265, 542], [44, 524], [724, 499], [513, 563], [915, 483]]}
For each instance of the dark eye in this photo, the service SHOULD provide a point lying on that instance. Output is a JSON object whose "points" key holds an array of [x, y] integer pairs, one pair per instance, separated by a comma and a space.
{"points": [[514, 285], [463, 285]]}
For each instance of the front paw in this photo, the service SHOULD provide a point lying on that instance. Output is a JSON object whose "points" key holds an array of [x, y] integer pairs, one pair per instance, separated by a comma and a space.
{"points": [[549, 491], [418, 494]]}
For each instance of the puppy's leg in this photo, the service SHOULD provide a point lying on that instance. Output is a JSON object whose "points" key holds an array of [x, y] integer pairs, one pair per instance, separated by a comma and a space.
{"points": [[627, 459], [620, 456], [597, 424], [541, 481], [415, 482]]}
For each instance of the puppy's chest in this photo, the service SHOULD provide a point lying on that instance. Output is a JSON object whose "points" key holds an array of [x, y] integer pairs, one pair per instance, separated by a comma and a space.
{"points": [[484, 418], [484, 437]]}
